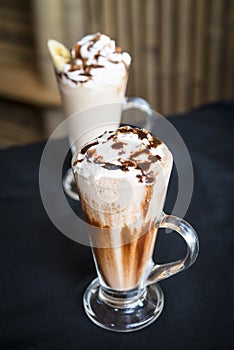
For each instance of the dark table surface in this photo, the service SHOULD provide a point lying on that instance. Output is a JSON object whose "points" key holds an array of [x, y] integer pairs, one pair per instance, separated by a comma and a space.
{"points": [[44, 273]]}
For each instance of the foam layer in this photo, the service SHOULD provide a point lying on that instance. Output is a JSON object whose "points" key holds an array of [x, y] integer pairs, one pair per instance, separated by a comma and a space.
{"points": [[128, 152], [96, 57]]}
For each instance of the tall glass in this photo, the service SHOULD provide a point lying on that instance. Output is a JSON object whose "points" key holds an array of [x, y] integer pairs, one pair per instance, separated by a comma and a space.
{"points": [[124, 218], [83, 127]]}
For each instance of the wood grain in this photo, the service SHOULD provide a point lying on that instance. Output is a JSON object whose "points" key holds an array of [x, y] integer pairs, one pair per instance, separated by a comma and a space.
{"points": [[183, 66], [167, 56], [182, 50], [152, 53], [216, 36]]}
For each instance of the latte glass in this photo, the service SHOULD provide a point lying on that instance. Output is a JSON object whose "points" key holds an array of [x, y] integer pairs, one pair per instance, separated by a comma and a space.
{"points": [[126, 297], [88, 123]]}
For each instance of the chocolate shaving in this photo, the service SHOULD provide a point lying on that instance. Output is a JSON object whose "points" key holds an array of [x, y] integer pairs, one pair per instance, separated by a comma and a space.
{"points": [[118, 145], [154, 142], [125, 130], [154, 159], [125, 164], [140, 177], [144, 165], [142, 134], [138, 153], [141, 170], [110, 166]]}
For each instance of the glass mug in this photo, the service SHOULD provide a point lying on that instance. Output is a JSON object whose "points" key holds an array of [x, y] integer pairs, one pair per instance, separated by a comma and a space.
{"points": [[126, 297], [84, 125]]}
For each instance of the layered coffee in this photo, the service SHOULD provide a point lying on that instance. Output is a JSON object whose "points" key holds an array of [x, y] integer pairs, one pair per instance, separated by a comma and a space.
{"points": [[122, 178], [93, 73]]}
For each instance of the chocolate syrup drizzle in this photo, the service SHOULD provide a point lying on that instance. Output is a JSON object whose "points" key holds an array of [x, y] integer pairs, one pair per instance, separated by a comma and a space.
{"points": [[132, 162], [87, 68]]}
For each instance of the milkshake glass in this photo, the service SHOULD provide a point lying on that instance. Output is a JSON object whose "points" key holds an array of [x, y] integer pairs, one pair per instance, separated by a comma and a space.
{"points": [[122, 179], [93, 73]]}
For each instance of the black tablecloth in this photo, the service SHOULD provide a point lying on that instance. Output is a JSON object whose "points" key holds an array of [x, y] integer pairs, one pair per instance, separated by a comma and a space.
{"points": [[44, 274]]}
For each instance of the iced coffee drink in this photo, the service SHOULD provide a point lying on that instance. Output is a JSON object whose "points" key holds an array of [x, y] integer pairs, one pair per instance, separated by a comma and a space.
{"points": [[122, 178], [94, 72]]}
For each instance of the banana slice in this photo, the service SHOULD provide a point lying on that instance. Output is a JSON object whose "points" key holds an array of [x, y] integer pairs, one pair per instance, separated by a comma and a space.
{"points": [[59, 53]]}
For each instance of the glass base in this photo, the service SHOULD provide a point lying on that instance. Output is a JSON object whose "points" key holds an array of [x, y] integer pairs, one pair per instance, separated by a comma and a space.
{"points": [[69, 185], [119, 313]]}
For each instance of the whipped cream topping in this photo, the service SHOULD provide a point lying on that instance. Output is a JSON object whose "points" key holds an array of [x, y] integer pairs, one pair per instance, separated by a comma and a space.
{"points": [[126, 152], [96, 57]]}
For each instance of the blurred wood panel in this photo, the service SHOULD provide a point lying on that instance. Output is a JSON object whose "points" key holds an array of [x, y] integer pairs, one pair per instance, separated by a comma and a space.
{"points": [[124, 35], [49, 22], [152, 52], [76, 13], [216, 37], [110, 18], [138, 39], [16, 53], [183, 76], [182, 50], [94, 16], [199, 48], [19, 124], [167, 56], [228, 56], [18, 132], [16, 36], [25, 86]]}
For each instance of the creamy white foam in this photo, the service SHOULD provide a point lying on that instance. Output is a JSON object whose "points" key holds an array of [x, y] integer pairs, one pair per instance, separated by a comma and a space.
{"points": [[96, 58], [126, 153]]}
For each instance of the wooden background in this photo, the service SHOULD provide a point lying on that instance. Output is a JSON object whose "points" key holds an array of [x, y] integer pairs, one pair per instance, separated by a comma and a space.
{"points": [[183, 52]]}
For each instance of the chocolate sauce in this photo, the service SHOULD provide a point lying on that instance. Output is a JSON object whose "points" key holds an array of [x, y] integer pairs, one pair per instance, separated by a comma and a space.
{"points": [[77, 161], [134, 253], [140, 177], [144, 165], [154, 159], [74, 67], [154, 142], [77, 51], [150, 179], [85, 148], [138, 153], [118, 145]]}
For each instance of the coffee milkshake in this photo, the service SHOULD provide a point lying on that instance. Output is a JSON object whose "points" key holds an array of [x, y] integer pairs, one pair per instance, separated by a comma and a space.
{"points": [[122, 178], [94, 72]]}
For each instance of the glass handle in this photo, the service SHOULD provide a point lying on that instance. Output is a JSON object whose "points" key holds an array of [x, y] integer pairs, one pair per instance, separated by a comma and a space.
{"points": [[140, 103], [186, 231]]}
